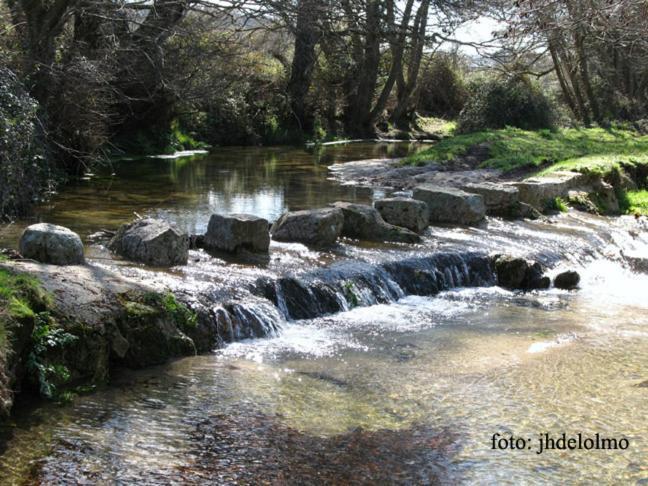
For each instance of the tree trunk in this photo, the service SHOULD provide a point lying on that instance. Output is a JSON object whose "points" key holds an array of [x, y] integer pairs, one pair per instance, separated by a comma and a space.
{"points": [[303, 63], [402, 115], [359, 101]]}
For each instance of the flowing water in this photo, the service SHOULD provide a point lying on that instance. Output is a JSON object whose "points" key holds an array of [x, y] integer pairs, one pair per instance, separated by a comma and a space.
{"points": [[385, 363]]}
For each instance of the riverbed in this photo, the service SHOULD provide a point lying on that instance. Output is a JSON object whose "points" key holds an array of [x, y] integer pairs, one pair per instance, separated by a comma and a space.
{"points": [[402, 389]]}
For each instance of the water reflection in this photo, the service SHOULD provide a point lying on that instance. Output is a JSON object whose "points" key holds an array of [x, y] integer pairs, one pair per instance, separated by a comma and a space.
{"points": [[262, 181]]}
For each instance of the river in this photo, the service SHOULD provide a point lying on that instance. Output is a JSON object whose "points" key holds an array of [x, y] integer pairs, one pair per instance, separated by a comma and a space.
{"points": [[399, 388]]}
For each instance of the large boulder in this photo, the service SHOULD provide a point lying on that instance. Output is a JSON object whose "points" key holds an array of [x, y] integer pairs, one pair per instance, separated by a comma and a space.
{"points": [[153, 242], [49, 243], [539, 191], [519, 274], [237, 231], [567, 280], [500, 199], [365, 223], [449, 205], [405, 212], [315, 227]]}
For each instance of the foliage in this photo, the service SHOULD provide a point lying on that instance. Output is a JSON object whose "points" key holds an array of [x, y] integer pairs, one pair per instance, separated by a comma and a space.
{"points": [[557, 204], [497, 103], [442, 91], [512, 148], [23, 302], [47, 338], [24, 171]]}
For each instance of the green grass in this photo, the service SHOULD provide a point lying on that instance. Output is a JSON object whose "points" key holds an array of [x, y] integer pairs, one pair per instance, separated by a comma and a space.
{"points": [[637, 202], [557, 204], [439, 126], [596, 163], [513, 148], [19, 294]]}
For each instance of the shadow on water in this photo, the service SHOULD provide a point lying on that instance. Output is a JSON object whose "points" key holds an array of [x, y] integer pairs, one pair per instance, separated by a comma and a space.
{"points": [[259, 449]]}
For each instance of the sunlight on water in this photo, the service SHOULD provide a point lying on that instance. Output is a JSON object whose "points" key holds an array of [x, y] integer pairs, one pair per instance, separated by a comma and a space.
{"points": [[425, 380]]}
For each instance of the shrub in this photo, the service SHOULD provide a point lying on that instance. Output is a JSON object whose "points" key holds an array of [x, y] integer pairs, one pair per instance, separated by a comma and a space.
{"points": [[24, 172], [442, 88], [497, 103]]}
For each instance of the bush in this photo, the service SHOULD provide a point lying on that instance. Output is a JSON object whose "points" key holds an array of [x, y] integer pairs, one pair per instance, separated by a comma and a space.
{"points": [[24, 172], [442, 88], [497, 103]]}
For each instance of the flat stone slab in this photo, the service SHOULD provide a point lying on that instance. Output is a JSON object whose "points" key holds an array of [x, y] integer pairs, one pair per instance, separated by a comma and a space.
{"points": [[449, 205], [49, 243], [499, 199], [538, 191], [405, 212], [235, 232], [316, 227]]}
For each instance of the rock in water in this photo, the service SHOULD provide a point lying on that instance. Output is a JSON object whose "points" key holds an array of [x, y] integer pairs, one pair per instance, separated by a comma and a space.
{"points": [[153, 242], [449, 205], [567, 280], [537, 191], [316, 227], [48, 243], [519, 274], [500, 199], [237, 231], [405, 212], [365, 223]]}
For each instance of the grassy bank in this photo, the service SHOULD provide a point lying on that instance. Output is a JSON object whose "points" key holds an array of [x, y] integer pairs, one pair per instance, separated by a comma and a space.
{"points": [[570, 148]]}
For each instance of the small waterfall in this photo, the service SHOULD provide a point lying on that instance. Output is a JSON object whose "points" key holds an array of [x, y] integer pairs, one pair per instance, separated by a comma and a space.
{"points": [[345, 285]]}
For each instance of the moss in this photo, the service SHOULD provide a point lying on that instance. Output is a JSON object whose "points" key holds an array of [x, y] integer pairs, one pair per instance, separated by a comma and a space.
{"points": [[636, 202], [154, 304], [512, 148], [349, 294]]}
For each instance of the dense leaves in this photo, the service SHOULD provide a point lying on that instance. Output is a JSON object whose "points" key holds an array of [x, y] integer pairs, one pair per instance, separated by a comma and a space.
{"points": [[497, 103], [24, 172]]}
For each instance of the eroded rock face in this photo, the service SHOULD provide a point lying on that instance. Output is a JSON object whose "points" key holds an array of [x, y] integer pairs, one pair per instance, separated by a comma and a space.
{"points": [[366, 223], [405, 212], [153, 242], [449, 205], [48, 243], [519, 274], [500, 199], [315, 227], [567, 280], [237, 232]]}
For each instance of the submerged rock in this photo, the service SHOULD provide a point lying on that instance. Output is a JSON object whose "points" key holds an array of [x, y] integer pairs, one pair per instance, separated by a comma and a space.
{"points": [[405, 212], [153, 242], [500, 199], [316, 227], [366, 223], [567, 280], [519, 274], [236, 232], [48, 243], [449, 205]]}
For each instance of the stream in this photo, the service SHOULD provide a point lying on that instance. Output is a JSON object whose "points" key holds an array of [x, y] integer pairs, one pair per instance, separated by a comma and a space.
{"points": [[393, 384]]}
